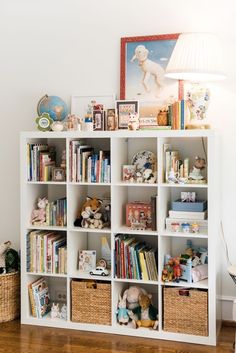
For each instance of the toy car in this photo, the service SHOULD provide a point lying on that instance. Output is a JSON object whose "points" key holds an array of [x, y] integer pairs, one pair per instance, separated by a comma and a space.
{"points": [[99, 271]]}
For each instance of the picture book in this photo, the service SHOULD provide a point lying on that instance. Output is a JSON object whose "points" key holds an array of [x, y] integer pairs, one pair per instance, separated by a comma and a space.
{"points": [[87, 260]]}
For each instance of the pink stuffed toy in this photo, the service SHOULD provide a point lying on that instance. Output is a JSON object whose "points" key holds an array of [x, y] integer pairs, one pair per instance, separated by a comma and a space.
{"points": [[38, 216]]}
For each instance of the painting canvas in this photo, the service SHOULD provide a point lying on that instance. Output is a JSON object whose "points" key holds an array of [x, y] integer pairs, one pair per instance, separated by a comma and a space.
{"points": [[143, 63]]}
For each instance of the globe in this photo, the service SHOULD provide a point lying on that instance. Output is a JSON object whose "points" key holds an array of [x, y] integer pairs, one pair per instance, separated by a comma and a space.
{"points": [[54, 106]]}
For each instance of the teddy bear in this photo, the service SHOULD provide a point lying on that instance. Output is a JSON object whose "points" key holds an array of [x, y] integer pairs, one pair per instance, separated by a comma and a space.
{"points": [[38, 215], [89, 215], [146, 312]]}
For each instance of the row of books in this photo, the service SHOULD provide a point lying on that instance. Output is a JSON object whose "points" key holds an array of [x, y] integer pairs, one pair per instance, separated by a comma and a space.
{"points": [[46, 252], [134, 259], [56, 213], [40, 161], [87, 165], [39, 297], [177, 115]]}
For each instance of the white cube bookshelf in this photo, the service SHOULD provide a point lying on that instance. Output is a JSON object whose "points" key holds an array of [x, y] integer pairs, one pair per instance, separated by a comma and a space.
{"points": [[123, 145]]}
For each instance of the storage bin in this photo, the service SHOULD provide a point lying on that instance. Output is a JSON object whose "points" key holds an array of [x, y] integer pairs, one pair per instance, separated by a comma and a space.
{"points": [[91, 302], [198, 206], [9, 296], [185, 311]]}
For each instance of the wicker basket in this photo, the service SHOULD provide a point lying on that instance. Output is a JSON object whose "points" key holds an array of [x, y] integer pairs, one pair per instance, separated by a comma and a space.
{"points": [[9, 296], [91, 302], [185, 311]]}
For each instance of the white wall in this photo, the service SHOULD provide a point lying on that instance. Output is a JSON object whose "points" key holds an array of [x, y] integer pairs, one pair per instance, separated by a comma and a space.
{"points": [[72, 46]]}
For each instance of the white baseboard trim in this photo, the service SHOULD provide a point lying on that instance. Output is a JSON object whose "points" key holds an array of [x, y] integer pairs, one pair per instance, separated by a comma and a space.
{"points": [[227, 303]]}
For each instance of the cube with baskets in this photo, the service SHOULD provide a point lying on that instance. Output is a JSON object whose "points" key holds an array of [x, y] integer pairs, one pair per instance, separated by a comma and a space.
{"points": [[91, 302], [185, 311]]}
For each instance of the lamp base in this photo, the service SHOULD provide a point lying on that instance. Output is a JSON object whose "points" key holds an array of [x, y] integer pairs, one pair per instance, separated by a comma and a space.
{"points": [[197, 126]]}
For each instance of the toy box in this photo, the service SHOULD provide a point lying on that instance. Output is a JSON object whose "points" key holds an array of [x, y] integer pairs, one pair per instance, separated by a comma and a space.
{"points": [[139, 215]]}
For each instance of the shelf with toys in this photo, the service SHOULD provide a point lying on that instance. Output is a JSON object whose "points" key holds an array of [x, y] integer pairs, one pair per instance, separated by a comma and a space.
{"points": [[146, 212]]}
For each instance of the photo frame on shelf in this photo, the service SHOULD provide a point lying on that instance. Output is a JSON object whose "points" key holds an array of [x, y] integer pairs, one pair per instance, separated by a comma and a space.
{"points": [[98, 120], [58, 174], [110, 120], [123, 109], [143, 63], [79, 103]]}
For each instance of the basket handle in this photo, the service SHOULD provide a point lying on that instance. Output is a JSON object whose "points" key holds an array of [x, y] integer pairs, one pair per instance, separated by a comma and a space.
{"points": [[91, 285], [184, 292]]}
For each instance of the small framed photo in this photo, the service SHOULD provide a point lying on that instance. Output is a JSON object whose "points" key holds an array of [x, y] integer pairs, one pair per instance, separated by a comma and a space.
{"points": [[124, 108], [110, 120], [129, 173], [98, 120], [58, 174]]}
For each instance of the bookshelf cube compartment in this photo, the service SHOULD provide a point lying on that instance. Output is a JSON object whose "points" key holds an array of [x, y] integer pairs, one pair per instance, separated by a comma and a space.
{"points": [[128, 148], [52, 193], [90, 242], [136, 257], [56, 293], [77, 195], [89, 160], [43, 155], [122, 195], [167, 220], [188, 148], [119, 289]]}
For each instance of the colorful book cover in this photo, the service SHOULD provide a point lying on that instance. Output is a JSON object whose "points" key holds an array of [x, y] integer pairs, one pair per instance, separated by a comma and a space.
{"points": [[87, 260]]}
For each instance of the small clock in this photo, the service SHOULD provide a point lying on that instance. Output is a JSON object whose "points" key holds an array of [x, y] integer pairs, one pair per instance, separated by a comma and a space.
{"points": [[44, 122]]}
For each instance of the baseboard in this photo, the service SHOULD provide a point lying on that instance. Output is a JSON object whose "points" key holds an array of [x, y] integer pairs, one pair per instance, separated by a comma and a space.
{"points": [[227, 308]]}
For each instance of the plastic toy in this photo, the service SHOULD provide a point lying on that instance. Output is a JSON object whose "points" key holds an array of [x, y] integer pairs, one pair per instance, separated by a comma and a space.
{"points": [[99, 271]]}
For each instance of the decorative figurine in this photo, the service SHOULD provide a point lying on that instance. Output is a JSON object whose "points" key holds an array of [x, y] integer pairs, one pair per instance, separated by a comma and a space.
{"points": [[195, 227], [185, 227], [57, 126], [55, 312], [177, 269], [73, 123], [63, 313], [133, 123], [122, 311], [175, 227], [44, 122], [199, 165], [38, 215]]}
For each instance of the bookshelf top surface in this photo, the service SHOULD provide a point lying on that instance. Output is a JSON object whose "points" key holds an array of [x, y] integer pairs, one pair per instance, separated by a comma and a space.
{"points": [[118, 133]]}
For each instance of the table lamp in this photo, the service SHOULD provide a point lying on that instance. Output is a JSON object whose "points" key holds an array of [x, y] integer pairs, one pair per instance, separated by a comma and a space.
{"points": [[197, 58]]}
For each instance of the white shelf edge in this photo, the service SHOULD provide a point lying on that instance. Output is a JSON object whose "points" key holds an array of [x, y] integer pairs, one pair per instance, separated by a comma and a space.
{"points": [[183, 235], [139, 281], [89, 230], [198, 285], [43, 274], [46, 182], [89, 184], [200, 186], [81, 275], [135, 184], [127, 230], [30, 227]]}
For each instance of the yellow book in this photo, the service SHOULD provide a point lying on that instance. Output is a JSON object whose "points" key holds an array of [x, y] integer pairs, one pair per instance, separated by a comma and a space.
{"points": [[143, 266]]}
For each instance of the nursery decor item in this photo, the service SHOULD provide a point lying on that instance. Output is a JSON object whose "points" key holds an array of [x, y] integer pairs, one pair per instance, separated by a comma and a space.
{"points": [[3, 249], [199, 165], [133, 123], [54, 106], [91, 303], [63, 312], [87, 260], [106, 251], [57, 126], [99, 271], [55, 311], [126, 109], [146, 312], [122, 312], [89, 215], [44, 122], [132, 296], [9, 296], [38, 215]]}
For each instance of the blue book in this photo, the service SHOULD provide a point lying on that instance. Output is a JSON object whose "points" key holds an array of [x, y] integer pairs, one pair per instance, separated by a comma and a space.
{"points": [[182, 114]]}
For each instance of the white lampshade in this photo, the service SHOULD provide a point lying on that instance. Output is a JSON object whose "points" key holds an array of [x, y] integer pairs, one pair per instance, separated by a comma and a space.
{"points": [[196, 57]]}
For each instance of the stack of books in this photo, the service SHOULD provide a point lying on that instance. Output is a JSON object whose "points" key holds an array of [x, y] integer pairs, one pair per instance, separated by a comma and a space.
{"points": [[87, 165], [177, 115], [134, 259], [39, 298], [46, 252], [56, 213], [40, 161]]}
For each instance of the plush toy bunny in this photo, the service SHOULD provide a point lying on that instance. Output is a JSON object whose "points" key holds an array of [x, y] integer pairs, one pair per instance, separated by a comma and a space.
{"points": [[63, 313], [39, 215], [55, 311], [122, 312]]}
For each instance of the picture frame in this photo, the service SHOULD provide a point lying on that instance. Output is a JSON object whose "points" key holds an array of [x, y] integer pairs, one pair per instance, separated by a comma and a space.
{"points": [[98, 120], [143, 63], [111, 120], [58, 174], [79, 103], [123, 109]]}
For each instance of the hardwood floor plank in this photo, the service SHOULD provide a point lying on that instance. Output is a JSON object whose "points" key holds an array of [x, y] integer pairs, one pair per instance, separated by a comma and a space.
{"points": [[16, 338]]}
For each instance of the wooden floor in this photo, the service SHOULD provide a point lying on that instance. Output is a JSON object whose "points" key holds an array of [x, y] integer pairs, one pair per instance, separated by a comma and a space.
{"points": [[16, 338]]}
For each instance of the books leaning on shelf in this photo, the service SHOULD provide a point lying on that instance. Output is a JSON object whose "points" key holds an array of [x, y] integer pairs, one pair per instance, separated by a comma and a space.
{"points": [[56, 213], [40, 161], [87, 165], [134, 259], [46, 252], [39, 298]]}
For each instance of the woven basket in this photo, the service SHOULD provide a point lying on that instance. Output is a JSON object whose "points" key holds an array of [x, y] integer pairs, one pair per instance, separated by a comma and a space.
{"points": [[91, 302], [185, 311], [9, 296]]}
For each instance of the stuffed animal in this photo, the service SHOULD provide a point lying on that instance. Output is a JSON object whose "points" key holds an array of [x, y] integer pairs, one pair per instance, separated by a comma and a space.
{"points": [[89, 215], [63, 313], [149, 176], [133, 123], [12, 260], [38, 215], [55, 312], [146, 312], [106, 216], [122, 312], [132, 296], [3, 249]]}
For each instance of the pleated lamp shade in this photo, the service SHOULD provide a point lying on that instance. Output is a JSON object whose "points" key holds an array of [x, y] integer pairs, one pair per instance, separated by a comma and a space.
{"points": [[196, 57]]}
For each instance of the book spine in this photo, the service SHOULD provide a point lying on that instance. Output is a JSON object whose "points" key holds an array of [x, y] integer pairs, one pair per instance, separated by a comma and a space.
{"points": [[182, 114]]}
